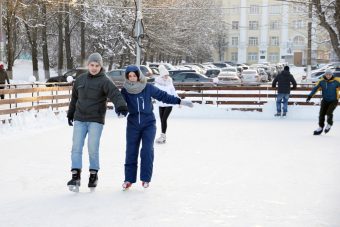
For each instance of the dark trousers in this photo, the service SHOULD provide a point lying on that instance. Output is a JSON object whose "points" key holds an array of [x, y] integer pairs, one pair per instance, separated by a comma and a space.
{"points": [[2, 96], [164, 113], [140, 131], [327, 108]]}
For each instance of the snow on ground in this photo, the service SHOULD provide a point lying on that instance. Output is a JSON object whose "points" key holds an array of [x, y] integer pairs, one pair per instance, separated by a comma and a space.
{"points": [[218, 168], [22, 71]]}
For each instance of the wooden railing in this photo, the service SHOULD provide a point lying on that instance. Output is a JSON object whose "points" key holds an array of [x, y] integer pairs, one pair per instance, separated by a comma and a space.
{"points": [[37, 96]]}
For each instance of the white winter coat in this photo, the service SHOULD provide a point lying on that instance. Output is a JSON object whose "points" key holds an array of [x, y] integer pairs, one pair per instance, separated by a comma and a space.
{"points": [[167, 86]]}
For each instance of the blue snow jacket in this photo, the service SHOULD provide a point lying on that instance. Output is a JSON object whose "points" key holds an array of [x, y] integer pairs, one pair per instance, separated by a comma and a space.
{"points": [[330, 89], [141, 103]]}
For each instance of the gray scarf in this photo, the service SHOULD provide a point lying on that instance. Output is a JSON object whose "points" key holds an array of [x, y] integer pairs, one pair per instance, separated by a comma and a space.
{"points": [[135, 87]]}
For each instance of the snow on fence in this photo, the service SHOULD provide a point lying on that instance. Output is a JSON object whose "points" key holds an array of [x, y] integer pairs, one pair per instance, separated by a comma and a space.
{"points": [[37, 96]]}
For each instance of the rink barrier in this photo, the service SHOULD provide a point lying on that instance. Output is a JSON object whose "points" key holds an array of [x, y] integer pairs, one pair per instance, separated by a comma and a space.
{"points": [[38, 96]]}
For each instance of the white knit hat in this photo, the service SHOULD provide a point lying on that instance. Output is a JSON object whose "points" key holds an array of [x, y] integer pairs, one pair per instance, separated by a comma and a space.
{"points": [[95, 57], [162, 70]]}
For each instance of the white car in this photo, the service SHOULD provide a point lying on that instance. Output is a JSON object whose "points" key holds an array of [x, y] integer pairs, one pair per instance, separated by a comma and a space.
{"points": [[229, 71], [250, 76]]}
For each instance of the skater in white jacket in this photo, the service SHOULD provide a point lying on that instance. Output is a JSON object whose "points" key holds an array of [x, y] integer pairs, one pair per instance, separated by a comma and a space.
{"points": [[164, 82]]}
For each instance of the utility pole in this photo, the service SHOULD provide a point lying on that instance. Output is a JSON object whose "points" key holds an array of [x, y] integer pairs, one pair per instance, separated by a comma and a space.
{"points": [[1, 33], [138, 32], [309, 50]]}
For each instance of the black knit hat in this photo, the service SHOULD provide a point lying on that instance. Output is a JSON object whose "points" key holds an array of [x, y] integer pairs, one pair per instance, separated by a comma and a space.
{"points": [[286, 68]]}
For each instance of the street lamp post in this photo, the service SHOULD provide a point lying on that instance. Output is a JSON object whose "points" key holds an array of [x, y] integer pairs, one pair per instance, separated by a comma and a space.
{"points": [[138, 32]]}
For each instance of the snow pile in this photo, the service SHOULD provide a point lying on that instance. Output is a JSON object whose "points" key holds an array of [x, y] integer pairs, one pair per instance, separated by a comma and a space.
{"points": [[32, 122]]}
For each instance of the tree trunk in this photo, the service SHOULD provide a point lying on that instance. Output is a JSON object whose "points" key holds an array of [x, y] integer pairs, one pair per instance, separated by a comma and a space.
{"points": [[10, 37], [60, 40], [69, 60], [333, 34], [82, 35], [110, 63], [46, 61]]}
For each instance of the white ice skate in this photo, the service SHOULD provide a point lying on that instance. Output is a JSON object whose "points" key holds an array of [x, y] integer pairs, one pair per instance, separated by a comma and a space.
{"points": [[328, 127], [161, 139]]}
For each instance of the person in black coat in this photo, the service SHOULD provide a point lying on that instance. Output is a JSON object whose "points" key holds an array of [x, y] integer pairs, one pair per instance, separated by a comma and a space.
{"points": [[284, 81], [3, 79]]}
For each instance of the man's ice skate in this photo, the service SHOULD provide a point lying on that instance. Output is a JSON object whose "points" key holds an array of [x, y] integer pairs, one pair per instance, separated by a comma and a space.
{"points": [[161, 139], [145, 184], [126, 185], [277, 115], [328, 127], [284, 115], [74, 183], [318, 131], [93, 179]]}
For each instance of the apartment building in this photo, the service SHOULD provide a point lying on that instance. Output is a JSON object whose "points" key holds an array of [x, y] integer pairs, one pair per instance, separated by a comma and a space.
{"points": [[265, 31]]}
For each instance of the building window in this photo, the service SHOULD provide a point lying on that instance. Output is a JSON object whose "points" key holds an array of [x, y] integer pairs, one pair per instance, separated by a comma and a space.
{"points": [[234, 56], [298, 24], [254, 9], [274, 41], [275, 25], [298, 9], [234, 25], [235, 9], [253, 25], [299, 41], [274, 57], [252, 56], [275, 9], [253, 41], [234, 41]]}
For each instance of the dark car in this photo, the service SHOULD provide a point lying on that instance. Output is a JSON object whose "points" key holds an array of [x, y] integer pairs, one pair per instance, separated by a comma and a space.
{"points": [[116, 75], [212, 73], [192, 78], [173, 73], [63, 78]]}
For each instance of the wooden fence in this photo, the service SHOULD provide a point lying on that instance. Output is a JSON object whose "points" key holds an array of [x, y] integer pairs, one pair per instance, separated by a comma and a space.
{"points": [[37, 96]]}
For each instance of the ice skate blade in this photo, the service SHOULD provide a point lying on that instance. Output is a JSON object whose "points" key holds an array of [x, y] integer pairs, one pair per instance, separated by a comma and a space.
{"points": [[73, 188], [92, 189]]}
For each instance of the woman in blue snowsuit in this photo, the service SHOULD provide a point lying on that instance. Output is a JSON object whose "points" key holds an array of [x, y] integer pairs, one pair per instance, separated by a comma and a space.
{"points": [[141, 124]]}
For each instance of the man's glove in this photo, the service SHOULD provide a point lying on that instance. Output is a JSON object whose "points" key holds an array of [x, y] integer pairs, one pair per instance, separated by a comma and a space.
{"points": [[122, 111], [308, 99], [187, 103], [70, 121], [122, 114]]}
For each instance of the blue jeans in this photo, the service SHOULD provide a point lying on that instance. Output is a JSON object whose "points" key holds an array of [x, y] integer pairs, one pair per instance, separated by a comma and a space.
{"points": [[282, 98], [80, 130]]}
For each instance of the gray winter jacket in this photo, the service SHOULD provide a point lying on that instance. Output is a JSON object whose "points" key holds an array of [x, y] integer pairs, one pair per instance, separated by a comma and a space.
{"points": [[89, 95]]}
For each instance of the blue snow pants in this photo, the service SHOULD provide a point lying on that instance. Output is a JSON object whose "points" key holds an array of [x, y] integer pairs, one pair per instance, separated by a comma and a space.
{"points": [[140, 128]]}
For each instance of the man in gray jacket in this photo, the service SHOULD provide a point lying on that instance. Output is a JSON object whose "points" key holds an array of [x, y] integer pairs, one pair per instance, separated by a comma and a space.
{"points": [[284, 80], [87, 110]]}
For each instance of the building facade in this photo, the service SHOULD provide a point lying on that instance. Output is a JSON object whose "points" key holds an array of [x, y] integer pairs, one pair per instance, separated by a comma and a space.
{"points": [[265, 31]]}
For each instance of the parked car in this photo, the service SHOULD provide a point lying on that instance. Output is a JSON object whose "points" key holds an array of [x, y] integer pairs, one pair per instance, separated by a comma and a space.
{"points": [[212, 73], [221, 65], [229, 71], [191, 77], [250, 76], [315, 79], [263, 74], [173, 73], [168, 66], [63, 78], [230, 79], [117, 75]]}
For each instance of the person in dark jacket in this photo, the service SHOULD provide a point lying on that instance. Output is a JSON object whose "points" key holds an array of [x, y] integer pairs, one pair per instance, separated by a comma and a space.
{"points": [[284, 81], [87, 110], [330, 87], [3, 78], [141, 124]]}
